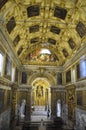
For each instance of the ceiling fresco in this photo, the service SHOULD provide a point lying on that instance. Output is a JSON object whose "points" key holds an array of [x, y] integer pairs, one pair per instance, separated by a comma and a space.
{"points": [[33, 25]]}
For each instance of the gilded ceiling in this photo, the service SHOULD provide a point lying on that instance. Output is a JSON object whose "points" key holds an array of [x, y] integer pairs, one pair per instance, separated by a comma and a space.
{"points": [[33, 25]]}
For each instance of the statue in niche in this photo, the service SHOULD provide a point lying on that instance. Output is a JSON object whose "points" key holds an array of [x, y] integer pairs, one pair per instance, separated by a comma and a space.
{"points": [[40, 99], [39, 91]]}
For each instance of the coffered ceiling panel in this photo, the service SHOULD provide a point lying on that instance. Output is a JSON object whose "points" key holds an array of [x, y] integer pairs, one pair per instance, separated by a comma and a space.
{"points": [[36, 25]]}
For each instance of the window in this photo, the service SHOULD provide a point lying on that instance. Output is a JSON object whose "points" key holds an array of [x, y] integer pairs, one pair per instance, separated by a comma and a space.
{"points": [[73, 73], [13, 74], [1, 62], [83, 68]]}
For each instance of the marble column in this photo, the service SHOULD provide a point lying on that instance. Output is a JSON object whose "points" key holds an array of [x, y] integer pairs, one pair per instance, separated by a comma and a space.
{"points": [[28, 104]]}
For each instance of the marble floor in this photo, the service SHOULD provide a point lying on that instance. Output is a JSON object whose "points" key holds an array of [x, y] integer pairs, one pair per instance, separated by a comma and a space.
{"points": [[39, 115]]}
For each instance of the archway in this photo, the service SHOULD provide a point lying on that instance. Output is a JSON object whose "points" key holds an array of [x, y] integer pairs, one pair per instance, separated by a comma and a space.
{"points": [[41, 93], [41, 83], [41, 98]]}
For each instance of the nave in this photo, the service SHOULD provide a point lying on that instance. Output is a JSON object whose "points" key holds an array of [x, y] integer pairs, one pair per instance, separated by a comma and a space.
{"points": [[42, 62]]}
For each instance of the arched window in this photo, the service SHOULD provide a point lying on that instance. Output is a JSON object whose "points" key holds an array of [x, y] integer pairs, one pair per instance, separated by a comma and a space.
{"points": [[1, 62]]}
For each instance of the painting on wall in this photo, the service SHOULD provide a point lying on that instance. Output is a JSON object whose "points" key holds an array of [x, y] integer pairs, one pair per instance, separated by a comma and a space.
{"points": [[8, 97], [81, 29], [11, 24], [78, 71], [1, 99], [59, 78], [24, 77], [16, 75], [43, 55], [8, 66], [68, 76], [79, 95]]}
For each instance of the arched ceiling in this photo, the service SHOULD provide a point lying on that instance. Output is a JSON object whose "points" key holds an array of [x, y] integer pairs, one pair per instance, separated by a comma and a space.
{"points": [[32, 25]]}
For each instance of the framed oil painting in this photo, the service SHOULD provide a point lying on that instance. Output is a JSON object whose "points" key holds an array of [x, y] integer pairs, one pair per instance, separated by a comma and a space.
{"points": [[16, 75], [24, 77], [68, 76], [78, 71], [8, 98], [8, 67], [79, 96], [1, 100], [59, 78]]}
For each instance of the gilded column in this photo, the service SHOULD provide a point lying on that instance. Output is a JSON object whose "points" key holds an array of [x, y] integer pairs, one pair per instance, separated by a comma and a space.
{"points": [[28, 104]]}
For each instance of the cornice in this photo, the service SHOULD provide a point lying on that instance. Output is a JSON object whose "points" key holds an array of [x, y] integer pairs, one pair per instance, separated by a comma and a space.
{"points": [[76, 57], [37, 67], [58, 88], [14, 85], [5, 81], [80, 85], [23, 87]]}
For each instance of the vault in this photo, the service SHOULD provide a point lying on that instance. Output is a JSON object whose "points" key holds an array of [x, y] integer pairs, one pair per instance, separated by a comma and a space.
{"points": [[59, 26]]}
